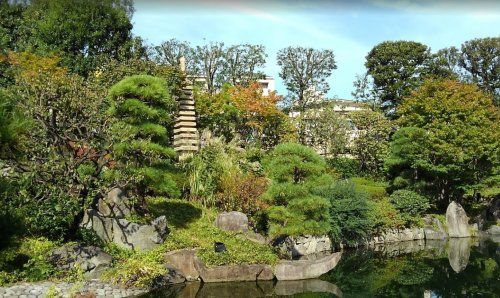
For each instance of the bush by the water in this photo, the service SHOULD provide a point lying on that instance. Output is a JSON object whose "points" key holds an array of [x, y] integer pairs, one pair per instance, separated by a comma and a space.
{"points": [[298, 180], [349, 213], [410, 204]]}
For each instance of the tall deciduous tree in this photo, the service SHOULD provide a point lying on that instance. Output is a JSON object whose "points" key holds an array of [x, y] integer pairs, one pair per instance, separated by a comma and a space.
{"points": [[481, 59], [210, 60], [371, 144], [305, 70], [80, 31], [448, 143], [396, 68], [170, 52], [242, 64]]}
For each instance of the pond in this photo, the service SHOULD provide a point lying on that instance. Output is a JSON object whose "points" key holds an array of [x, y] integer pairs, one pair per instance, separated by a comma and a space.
{"points": [[454, 268]]}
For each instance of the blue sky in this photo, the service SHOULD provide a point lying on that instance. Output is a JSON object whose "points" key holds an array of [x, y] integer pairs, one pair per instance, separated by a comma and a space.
{"points": [[349, 28]]}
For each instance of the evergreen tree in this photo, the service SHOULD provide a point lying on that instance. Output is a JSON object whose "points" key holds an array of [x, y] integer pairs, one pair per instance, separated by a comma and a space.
{"points": [[143, 110], [297, 176]]}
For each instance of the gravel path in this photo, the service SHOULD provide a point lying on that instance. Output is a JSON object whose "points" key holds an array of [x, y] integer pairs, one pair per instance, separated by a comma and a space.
{"points": [[85, 289]]}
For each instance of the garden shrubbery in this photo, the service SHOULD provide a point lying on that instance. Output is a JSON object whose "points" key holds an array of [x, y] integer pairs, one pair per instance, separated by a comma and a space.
{"points": [[298, 179], [410, 204]]}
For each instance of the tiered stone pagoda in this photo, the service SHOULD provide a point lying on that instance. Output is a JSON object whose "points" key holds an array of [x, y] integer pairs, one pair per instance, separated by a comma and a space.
{"points": [[186, 136]]}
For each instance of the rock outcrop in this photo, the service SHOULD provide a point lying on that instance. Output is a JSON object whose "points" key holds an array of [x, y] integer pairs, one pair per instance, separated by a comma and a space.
{"points": [[305, 269], [293, 247], [115, 204], [398, 235], [183, 261], [244, 272], [434, 229], [92, 260], [108, 221], [457, 221], [233, 221], [126, 234]]}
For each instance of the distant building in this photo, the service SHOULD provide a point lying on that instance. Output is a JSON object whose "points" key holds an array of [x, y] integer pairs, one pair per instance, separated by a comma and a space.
{"points": [[341, 106], [268, 84]]}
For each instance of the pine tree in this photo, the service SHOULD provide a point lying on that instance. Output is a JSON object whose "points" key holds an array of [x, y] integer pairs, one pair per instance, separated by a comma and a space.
{"points": [[298, 177], [143, 113]]}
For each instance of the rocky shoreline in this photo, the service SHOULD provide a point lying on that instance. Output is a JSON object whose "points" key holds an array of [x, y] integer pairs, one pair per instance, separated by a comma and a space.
{"points": [[91, 288]]}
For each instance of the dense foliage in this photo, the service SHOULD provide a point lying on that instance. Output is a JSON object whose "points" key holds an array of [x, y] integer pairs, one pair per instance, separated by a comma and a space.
{"points": [[448, 143], [143, 110], [349, 213], [297, 176], [410, 204]]}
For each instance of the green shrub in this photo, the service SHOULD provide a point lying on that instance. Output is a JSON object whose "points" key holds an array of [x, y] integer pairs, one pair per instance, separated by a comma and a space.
{"points": [[208, 170], [349, 213], [384, 216], [140, 270], [298, 179], [26, 261], [143, 112], [410, 204], [345, 167], [376, 189]]}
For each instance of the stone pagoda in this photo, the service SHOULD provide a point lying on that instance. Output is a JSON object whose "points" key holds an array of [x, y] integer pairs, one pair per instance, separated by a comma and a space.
{"points": [[186, 136]]}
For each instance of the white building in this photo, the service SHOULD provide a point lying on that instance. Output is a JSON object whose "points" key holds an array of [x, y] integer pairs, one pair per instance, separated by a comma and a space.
{"points": [[268, 85]]}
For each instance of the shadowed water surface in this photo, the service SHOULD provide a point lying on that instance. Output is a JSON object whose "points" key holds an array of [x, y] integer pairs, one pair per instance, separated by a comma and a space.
{"points": [[455, 268]]}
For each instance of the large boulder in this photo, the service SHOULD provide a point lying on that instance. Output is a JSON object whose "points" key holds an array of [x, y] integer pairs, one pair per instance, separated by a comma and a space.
{"points": [[183, 261], [457, 221], [90, 259], [302, 245], [493, 230], [115, 204], [172, 277], [233, 221], [434, 229], [126, 234], [243, 272], [304, 269]]}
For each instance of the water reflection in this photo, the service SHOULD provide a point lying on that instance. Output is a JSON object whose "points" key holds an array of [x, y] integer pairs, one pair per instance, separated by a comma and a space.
{"points": [[462, 267], [251, 289]]}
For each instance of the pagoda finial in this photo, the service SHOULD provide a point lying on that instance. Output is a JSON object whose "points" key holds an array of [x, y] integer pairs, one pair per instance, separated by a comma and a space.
{"points": [[182, 63]]}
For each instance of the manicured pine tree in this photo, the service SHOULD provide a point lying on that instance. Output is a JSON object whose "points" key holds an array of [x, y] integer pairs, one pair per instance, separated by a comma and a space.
{"points": [[297, 176], [143, 111]]}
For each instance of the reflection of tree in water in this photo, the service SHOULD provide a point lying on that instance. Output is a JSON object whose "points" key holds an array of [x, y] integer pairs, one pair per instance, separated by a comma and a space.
{"points": [[364, 273]]}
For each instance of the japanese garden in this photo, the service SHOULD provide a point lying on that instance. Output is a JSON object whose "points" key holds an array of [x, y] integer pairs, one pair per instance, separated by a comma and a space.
{"points": [[178, 169]]}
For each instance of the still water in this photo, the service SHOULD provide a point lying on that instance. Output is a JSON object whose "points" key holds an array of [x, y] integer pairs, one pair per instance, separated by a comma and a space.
{"points": [[454, 268]]}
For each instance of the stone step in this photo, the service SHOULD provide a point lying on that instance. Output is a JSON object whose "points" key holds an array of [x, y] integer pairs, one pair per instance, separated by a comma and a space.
{"points": [[186, 102], [184, 142], [187, 113], [186, 148], [192, 136], [185, 118], [186, 107], [185, 124], [185, 129]]}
